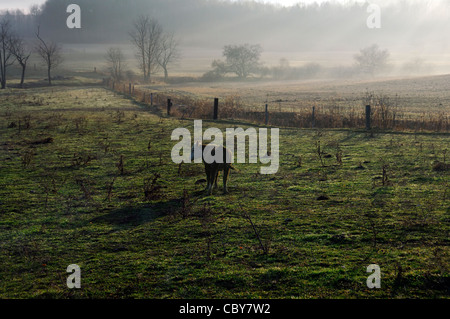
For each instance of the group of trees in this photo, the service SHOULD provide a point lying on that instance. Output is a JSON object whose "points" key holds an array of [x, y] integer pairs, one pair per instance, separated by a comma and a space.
{"points": [[155, 50], [244, 60], [13, 48]]}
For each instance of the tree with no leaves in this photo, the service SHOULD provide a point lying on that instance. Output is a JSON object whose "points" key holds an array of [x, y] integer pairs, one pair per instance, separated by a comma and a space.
{"points": [[5, 50], [138, 38], [153, 49], [115, 60], [146, 37], [169, 53], [50, 52], [21, 53]]}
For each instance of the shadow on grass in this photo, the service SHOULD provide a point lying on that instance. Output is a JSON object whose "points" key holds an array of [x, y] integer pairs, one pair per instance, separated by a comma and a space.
{"points": [[132, 216]]}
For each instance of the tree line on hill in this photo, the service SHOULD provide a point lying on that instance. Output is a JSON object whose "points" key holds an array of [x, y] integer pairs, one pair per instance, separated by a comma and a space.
{"points": [[215, 23]]}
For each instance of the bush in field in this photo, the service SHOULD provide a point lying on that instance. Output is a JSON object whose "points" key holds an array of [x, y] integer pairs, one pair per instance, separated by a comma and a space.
{"points": [[286, 72], [372, 60], [242, 60]]}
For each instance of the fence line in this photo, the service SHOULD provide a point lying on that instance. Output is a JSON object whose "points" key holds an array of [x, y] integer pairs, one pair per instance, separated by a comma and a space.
{"points": [[372, 117]]}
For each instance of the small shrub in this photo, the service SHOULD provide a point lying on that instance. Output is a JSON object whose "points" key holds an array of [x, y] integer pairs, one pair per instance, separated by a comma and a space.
{"points": [[82, 159], [25, 124], [385, 178], [109, 189], [85, 186], [441, 167], [80, 124], [27, 157], [152, 189], [120, 165], [119, 116]]}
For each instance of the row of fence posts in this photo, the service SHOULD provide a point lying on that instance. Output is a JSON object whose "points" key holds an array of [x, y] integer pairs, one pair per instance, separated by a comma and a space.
{"points": [[266, 118]]}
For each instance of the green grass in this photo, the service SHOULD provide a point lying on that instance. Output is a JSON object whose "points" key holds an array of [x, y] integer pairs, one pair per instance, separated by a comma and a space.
{"points": [[179, 243]]}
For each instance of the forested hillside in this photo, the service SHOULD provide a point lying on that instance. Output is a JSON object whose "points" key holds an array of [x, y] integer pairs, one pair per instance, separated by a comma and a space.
{"points": [[213, 23]]}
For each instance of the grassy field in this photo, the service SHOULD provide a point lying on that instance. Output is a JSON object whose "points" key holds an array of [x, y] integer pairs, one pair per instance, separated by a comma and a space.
{"points": [[87, 179]]}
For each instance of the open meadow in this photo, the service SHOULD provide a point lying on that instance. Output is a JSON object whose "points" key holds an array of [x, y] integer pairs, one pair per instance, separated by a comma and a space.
{"points": [[87, 179]]}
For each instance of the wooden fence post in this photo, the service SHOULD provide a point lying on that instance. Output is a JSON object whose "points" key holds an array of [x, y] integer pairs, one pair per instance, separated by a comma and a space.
{"points": [[216, 108], [368, 117], [151, 99], [169, 106], [313, 119], [267, 114], [129, 89]]}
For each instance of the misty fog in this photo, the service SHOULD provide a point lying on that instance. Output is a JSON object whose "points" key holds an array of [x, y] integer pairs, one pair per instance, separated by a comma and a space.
{"points": [[327, 35]]}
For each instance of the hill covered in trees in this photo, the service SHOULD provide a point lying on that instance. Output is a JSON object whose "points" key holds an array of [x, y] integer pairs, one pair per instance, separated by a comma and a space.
{"points": [[411, 25]]}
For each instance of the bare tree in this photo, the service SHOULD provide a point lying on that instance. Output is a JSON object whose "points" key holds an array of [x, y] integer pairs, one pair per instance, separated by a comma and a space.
{"points": [[153, 49], [169, 53], [50, 52], [115, 59], [139, 38], [5, 50], [146, 37], [21, 53]]}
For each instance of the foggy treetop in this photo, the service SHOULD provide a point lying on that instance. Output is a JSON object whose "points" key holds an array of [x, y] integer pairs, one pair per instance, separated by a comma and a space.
{"points": [[215, 23]]}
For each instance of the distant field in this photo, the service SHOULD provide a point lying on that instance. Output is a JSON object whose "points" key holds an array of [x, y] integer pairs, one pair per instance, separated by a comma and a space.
{"points": [[86, 178], [195, 61], [407, 104]]}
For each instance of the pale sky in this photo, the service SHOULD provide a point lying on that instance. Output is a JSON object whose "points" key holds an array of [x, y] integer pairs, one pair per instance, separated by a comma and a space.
{"points": [[18, 4], [25, 4]]}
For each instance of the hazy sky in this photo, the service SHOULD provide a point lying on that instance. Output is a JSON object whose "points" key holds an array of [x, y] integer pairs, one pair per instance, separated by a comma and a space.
{"points": [[21, 4], [292, 2], [25, 4]]}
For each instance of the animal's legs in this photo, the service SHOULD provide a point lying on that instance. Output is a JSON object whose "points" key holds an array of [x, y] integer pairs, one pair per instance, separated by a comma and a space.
{"points": [[208, 179], [226, 172]]}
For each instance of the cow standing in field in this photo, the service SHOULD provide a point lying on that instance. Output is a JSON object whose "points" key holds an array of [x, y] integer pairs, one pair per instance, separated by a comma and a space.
{"points": [[212, 168]]}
